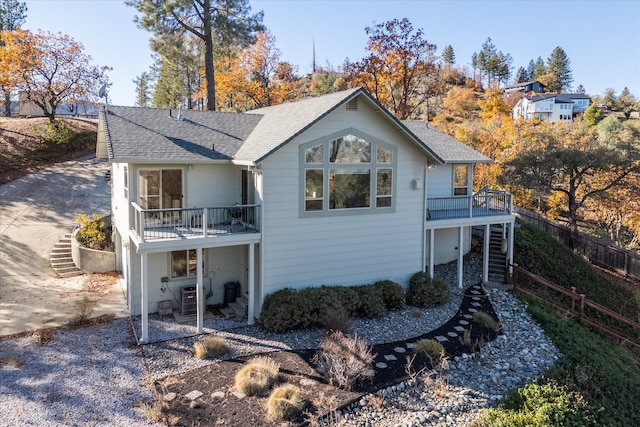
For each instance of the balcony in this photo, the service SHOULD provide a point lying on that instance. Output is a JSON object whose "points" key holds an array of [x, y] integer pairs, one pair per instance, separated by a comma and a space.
{"points": [[171, 224], [484, 203]]}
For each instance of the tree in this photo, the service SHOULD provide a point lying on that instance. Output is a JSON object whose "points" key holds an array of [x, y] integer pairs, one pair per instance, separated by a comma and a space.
{"points": [[218, 24], [53, 68], [626, 102], [143, 83], [531, 70], [593, 115], [581, 90], [13, 13], [521, 75], [448, 56], [558, 65], [256, 77], [399, 70], [495, 65], [474, 64], [571, 160], [539, 69]]}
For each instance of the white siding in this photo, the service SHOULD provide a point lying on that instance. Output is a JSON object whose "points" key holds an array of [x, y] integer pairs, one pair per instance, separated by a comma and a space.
{"points": [[440, 181], [349, 249], [446, 245], [212, 185]]}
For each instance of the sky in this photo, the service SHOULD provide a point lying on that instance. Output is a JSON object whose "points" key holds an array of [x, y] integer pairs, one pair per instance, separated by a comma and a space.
{"points": [[600, 38]]}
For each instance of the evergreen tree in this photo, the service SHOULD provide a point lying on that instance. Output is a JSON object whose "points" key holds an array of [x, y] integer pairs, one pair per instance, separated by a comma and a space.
{"points": [[474, 64], [448, 56], [539, 69], [521, 75], [531, 70], [558, 64], [581, 90], [218, 24], [142, 89], [626, 102]]}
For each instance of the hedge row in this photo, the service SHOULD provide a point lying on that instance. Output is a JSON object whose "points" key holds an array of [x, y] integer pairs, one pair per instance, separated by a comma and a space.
{"points": [[289, 309]]}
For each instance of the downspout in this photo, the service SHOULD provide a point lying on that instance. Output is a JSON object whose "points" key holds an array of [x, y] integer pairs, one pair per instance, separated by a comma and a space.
{"points": [[424, 219]]}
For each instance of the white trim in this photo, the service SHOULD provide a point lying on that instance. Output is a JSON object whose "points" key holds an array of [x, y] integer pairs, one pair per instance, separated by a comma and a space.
{"points": [[485, 254], [144, 298], [199, 292], [251, 285], [460, 256]]}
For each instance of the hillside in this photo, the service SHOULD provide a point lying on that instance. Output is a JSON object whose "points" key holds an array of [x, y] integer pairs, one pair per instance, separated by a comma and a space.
{"points": [[28, 145]]}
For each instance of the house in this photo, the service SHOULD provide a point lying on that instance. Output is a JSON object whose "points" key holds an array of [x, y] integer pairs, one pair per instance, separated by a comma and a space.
{"points": [[77, 108], [324, 191], [551, 106], [525, 87]]}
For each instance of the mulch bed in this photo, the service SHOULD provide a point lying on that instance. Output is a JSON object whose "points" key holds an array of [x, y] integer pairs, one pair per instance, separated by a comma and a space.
{"points": [[296, 368]]}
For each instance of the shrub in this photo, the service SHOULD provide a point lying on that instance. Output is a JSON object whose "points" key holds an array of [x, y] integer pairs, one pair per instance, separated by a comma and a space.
{"points": [[392, 294], [335, 318], [210, 348], [432, 348], [344, 361], [426, 292], [486, 320], [257, 376], [91, 232], [285, 402], [371, 303], [57, 132], [280, 311]]}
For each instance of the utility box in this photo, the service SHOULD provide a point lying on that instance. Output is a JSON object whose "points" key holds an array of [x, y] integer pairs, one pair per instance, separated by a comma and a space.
{"points": [[164, 308], [188, 301]]}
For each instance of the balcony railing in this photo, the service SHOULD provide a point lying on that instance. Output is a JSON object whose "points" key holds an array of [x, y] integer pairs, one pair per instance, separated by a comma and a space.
{"points": [[159, 224], [485, 202]]}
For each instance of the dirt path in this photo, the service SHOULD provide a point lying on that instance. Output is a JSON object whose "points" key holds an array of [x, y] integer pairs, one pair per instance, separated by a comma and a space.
{"points": [[35, 211]]}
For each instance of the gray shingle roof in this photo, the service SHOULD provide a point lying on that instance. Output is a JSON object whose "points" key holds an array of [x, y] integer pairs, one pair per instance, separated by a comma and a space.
{"points": [[146, 135], [449, 149], [149, 134]]}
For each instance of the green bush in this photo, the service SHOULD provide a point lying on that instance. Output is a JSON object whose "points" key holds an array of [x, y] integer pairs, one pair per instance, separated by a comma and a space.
{"points": [[547, 404], [92, 233], [312, 307], [371, 302], [392, 294], [57, 132], [427, 292]]}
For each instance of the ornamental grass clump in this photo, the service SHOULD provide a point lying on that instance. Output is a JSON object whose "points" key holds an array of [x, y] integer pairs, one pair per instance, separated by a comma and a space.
{"points": [[257, 376], [210, 348], [285, 403], [486, 320], [431, 348], [344, 361]]}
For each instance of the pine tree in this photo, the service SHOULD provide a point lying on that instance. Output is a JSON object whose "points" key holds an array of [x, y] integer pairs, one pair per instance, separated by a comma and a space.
{"points": [[558, 64], [531, 70], [448, 56], [142, 89], [539, 69], [521, 75], [581, 90]]}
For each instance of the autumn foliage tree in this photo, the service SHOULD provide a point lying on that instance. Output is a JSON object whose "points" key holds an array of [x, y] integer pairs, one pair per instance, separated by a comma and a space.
{"points": [[51, 69], [399, 70], [256, 77]]}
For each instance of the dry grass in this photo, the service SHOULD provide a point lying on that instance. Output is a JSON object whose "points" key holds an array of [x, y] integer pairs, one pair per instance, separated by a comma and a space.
{"points": [[285, 402], [486, 320], [257, 376], [43, 336], [82, 312], [438, 385], [210, 348], [152, 412], [344, 361]]}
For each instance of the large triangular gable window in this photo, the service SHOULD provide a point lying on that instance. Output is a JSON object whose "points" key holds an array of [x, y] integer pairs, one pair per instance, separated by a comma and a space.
{"points": [[347, 172]]}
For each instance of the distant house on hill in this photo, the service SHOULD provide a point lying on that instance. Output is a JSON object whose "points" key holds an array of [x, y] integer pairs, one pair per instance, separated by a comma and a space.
{"points": [[526, 87], [551, 106]]}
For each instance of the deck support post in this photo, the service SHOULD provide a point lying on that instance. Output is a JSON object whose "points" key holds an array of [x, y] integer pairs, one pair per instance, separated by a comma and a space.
{"points": [[485, 254], [252, 285], [199, 293], [460, 256], [431, 248], [144, 298]]}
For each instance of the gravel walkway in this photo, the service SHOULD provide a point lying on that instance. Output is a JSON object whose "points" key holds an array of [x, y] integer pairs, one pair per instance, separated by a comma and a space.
{"points": [[95, 375]]}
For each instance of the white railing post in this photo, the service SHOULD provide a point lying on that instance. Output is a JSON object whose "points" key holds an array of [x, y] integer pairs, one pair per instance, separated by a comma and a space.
{"points": [[141, 213], [205, 219], [471, 207]]}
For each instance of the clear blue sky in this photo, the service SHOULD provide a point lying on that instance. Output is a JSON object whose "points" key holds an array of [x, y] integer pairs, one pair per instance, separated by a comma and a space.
{"points": [[601, 38]]}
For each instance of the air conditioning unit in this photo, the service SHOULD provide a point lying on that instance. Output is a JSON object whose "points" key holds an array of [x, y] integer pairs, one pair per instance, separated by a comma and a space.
{"points": [[188, 301]]}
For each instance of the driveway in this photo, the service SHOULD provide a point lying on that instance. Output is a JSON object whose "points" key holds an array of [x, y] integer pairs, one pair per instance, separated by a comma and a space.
{"points": [[36, 211]]}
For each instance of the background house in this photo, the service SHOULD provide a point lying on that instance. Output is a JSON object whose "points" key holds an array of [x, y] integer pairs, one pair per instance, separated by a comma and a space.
{"points": [[551, 107], [332, 190], [525, 87]]}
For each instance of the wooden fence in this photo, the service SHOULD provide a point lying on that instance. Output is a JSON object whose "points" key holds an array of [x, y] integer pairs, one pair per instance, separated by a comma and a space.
{"points": [[597, 251], [586, 311]]}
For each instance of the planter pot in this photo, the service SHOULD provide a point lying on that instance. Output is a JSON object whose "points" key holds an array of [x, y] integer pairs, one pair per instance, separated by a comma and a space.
{"points": [[91, 260]]}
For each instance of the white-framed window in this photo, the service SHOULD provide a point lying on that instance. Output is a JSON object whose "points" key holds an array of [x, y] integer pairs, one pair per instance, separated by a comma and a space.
{"points": [[461, 180], [184, 264], [347, 172]]}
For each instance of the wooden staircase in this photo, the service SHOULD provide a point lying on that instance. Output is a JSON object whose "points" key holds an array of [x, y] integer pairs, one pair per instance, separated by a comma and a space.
{"points": [[236, 310], [61, 260], [497, 260]]}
